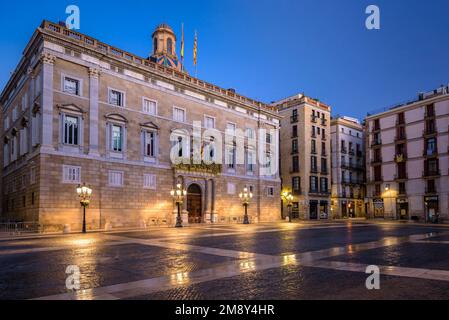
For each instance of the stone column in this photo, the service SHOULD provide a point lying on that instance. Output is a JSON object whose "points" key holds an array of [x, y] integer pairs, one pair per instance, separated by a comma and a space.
{"points": [[208, 201], [93, 111], [48, 61]]}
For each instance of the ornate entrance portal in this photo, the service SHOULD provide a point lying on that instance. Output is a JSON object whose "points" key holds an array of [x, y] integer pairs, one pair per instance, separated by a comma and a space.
{"points": [[194, 204]]}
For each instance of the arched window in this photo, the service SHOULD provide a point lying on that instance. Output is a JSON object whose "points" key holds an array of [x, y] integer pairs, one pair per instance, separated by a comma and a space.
{"points": [[170, 46], [155, 45]]}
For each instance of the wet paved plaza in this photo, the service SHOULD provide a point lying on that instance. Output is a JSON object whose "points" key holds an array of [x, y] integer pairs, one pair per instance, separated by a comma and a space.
{"points": [[265, 261]]}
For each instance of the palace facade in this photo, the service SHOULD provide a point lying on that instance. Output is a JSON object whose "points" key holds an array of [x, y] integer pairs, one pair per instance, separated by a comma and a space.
{"points": [[77, 110]]}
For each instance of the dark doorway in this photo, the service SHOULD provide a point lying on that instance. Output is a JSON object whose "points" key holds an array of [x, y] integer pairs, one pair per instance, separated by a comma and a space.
{"points": [[194, 204], [313, 210]]}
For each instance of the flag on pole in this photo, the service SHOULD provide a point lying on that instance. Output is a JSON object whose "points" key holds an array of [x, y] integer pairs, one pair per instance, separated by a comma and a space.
{"points": [[195, 49], [182, 48]]}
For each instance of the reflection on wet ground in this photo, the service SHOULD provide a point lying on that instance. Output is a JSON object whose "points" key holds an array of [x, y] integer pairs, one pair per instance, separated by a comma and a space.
{"points": [[266, 261]]}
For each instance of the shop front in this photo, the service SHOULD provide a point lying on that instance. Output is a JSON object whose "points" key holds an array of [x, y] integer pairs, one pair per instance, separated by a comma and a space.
{"points": [[431, 208], [378, 208], [402, 208]]}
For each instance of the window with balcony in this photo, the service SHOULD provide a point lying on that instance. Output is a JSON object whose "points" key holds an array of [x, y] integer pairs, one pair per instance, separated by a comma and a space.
{"points": [[294, 117], [431, 147], [313, 184], [343, 146], [323, 149], [401, 188], [400, 133], [313, 164], [430, 186], [401, 118], [294, 146], [296, 185], [295, 164], [295, 131], [377, 173], [323, 165], [376, 125], [430, 127], [324, 185], [431, 167], [377, 155], [430, 110], [377, 190], [313, 147], [402, 170]]}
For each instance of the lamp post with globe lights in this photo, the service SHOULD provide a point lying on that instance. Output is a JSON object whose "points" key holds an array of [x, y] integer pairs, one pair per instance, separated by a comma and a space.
{"points": [[84, 193], [288, 197], [178, 196], [245, 197]]}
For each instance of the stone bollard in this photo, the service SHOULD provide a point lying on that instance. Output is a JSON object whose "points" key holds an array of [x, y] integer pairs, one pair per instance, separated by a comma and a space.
{"points": [[67, 228]]}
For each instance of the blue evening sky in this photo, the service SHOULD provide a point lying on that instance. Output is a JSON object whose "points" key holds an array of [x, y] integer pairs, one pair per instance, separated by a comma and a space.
{"points": [[268, 49]]}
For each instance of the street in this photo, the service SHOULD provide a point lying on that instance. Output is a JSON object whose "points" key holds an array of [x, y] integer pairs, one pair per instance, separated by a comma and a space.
{"points": [[264, 261]]}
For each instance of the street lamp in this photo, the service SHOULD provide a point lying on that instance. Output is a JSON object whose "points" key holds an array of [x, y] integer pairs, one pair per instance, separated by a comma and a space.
{"points": [[387, 188], [178, 196], [246, 197], [84, 193]]}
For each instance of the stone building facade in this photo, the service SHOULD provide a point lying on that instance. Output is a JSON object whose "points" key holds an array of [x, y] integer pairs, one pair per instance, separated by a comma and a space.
{"points": [[348, 168], [305, 156], [77, 110], [408, 159]]}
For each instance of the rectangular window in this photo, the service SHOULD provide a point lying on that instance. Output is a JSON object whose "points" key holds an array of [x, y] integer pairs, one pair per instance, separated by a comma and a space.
{"points": [[209, 122], [269, 138], [149, 107], [295, 131], [15, 114], [70, 130], [313, 184], [295, 164], [231, 188], [270, 191], [24, 102], [231, 154], [6, 124], [150, 144], [179, 114], [71, 174], [149, 181], [33, 175], [116, 138], [323, 185], [71, 86], [296, 185], [250, 133], [116, 178], [116, 98], [250, 161], [230, 128]]}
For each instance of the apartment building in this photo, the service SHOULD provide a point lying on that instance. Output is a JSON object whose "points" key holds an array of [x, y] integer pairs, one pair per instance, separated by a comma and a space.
{"points": [[408, 159], [348, 168], [77, 110], [305, 155]]}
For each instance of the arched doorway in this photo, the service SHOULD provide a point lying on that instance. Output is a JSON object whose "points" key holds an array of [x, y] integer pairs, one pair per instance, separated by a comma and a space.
{"points": [[194, 204]]}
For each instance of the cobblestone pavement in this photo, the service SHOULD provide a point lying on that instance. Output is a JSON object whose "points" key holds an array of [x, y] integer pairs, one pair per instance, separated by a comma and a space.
{"points": [[265, 261]]}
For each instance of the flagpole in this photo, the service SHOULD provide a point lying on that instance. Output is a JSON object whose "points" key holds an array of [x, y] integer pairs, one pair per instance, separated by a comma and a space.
{"points": [[182, 48]]}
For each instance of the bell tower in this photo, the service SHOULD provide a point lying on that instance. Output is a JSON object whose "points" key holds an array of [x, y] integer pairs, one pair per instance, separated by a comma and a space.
{"points": [[164, 47]]}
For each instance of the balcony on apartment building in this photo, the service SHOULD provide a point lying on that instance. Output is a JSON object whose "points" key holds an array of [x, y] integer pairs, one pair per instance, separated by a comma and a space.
{"points": [[376, 160], [351, 152], [313, 170], [323, 121], [429, 131], [400, 137], [323, 193], [294, 152], [294, 119], [297, 192], [359, 154], [431, 190], [401, 176], [343, 150], [313, 118], [376, 143], [430, 153], [431, 173]]}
